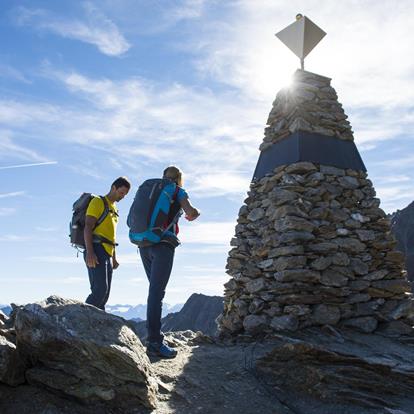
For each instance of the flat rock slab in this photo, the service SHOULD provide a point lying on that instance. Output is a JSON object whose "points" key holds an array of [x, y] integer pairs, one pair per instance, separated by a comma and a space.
{"points": [[346, 368], [83, 352]]}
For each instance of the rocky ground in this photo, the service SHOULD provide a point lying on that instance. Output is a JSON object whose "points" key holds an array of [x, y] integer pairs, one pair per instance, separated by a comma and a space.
{"points": [[216, 377]]}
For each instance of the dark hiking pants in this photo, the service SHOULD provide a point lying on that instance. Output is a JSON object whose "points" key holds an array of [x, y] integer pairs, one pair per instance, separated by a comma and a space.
{"points": [[100, 277], [157, 260]]}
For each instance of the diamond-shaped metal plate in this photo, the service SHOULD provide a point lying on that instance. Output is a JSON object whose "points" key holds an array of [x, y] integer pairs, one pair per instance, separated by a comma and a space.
{"points": [[301, 36]]}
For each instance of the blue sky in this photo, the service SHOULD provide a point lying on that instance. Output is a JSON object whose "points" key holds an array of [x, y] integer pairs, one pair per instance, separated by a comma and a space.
{"points": [[97, 89]]}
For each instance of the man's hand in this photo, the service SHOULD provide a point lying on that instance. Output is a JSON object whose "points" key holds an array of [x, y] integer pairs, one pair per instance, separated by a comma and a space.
{"points": [[91, 259], [115, 263]]}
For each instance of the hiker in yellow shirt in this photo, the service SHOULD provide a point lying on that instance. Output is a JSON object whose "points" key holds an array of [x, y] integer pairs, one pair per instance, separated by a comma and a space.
{"points": [[100, 230]]}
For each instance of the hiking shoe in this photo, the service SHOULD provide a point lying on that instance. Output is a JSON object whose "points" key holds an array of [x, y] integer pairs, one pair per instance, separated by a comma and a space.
{"points": [[162, 350]]}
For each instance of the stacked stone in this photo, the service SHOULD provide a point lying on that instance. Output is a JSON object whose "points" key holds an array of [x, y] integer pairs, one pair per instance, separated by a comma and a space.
{"points": [[312, 245], [311, 105]]}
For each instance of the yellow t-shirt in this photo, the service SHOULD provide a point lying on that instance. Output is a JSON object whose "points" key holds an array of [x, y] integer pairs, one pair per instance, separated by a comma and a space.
{"points": [[107, 228]]}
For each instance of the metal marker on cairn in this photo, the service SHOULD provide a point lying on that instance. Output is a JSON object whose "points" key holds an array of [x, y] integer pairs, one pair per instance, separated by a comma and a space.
{"points": [[312, 247]]}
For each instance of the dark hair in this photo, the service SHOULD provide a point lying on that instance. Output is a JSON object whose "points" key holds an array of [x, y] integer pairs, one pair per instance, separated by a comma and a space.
{"points": [[121, 182]]}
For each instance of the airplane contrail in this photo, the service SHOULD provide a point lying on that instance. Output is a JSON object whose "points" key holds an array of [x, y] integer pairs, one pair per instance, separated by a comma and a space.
{"points": [[28, 165]]}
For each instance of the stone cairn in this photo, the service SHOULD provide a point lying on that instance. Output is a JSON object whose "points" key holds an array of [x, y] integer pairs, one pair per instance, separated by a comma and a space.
{"points": [[312, 245]]}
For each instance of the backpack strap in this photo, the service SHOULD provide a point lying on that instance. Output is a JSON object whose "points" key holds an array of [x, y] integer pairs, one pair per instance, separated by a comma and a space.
{"points": [[100, 221], [104, 213], [175, 219]]}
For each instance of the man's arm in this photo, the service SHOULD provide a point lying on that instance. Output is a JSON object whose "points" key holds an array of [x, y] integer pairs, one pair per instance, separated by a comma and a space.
{"points": [[191, 213], [91, 259]]}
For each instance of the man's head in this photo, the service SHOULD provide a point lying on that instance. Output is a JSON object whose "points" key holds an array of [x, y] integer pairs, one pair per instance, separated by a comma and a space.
{"points": [[120, 188], [175, 174]]}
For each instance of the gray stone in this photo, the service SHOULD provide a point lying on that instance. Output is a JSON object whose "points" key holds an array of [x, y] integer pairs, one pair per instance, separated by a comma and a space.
{"points": [[285, 210], [12, 365], [286, 251], [265, 264], [256, 214], [366, 324], [294, 223], [377, 275], [359, 267], [300, 168], [255, 324], [326, 169], [358, 297], [83, 352], [348, 182], [284, 323], [350, 245], [297, 275], [321, 263], [297, 310], [365, 235], [341, 259], [360, 218], [256, 306], [393, 285], [281, 196], [404, 310], [326, 315], [324, 247], [296, 237], [333, 278], [256, 285], [292, 262]]}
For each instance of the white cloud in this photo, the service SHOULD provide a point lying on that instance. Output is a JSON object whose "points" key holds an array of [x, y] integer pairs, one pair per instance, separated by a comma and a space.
{"points": [[7, 71], [188, 9], [9, 149], [395, 197], [37, 164], [208, 232], [13, 237], [367, 57], [7, 211], [13, 194], [95, 28]]}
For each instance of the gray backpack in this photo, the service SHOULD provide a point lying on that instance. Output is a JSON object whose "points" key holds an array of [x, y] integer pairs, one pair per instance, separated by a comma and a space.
{"points": [[77, 224]]}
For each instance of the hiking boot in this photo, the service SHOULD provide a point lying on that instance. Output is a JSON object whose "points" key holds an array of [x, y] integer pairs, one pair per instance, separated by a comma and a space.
{"points": [[161, 350]]}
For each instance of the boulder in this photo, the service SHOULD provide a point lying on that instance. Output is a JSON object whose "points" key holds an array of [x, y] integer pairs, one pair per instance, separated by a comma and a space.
{"points": [[83, 352]]}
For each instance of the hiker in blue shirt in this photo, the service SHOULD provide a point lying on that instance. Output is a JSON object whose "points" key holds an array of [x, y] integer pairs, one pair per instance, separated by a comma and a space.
{"points": [[153, 222]]}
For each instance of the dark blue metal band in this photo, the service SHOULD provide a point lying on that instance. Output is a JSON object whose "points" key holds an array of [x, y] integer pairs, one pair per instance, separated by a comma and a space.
{"points": [[306, 146]]}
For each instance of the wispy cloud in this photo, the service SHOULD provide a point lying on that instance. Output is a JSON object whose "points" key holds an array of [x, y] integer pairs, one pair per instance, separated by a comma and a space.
{"points": [[13, 194], [96, 28], [13, 237], [240, 51], [7, 71], [10, 150], [7, 211], [37, 164]]}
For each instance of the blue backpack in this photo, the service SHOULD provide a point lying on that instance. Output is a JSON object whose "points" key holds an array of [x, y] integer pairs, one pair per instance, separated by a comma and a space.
{"points": [[153, 211]]}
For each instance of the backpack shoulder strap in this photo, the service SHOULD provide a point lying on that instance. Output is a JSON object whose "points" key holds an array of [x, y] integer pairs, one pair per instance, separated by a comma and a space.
{"points": [[104, 213]]}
